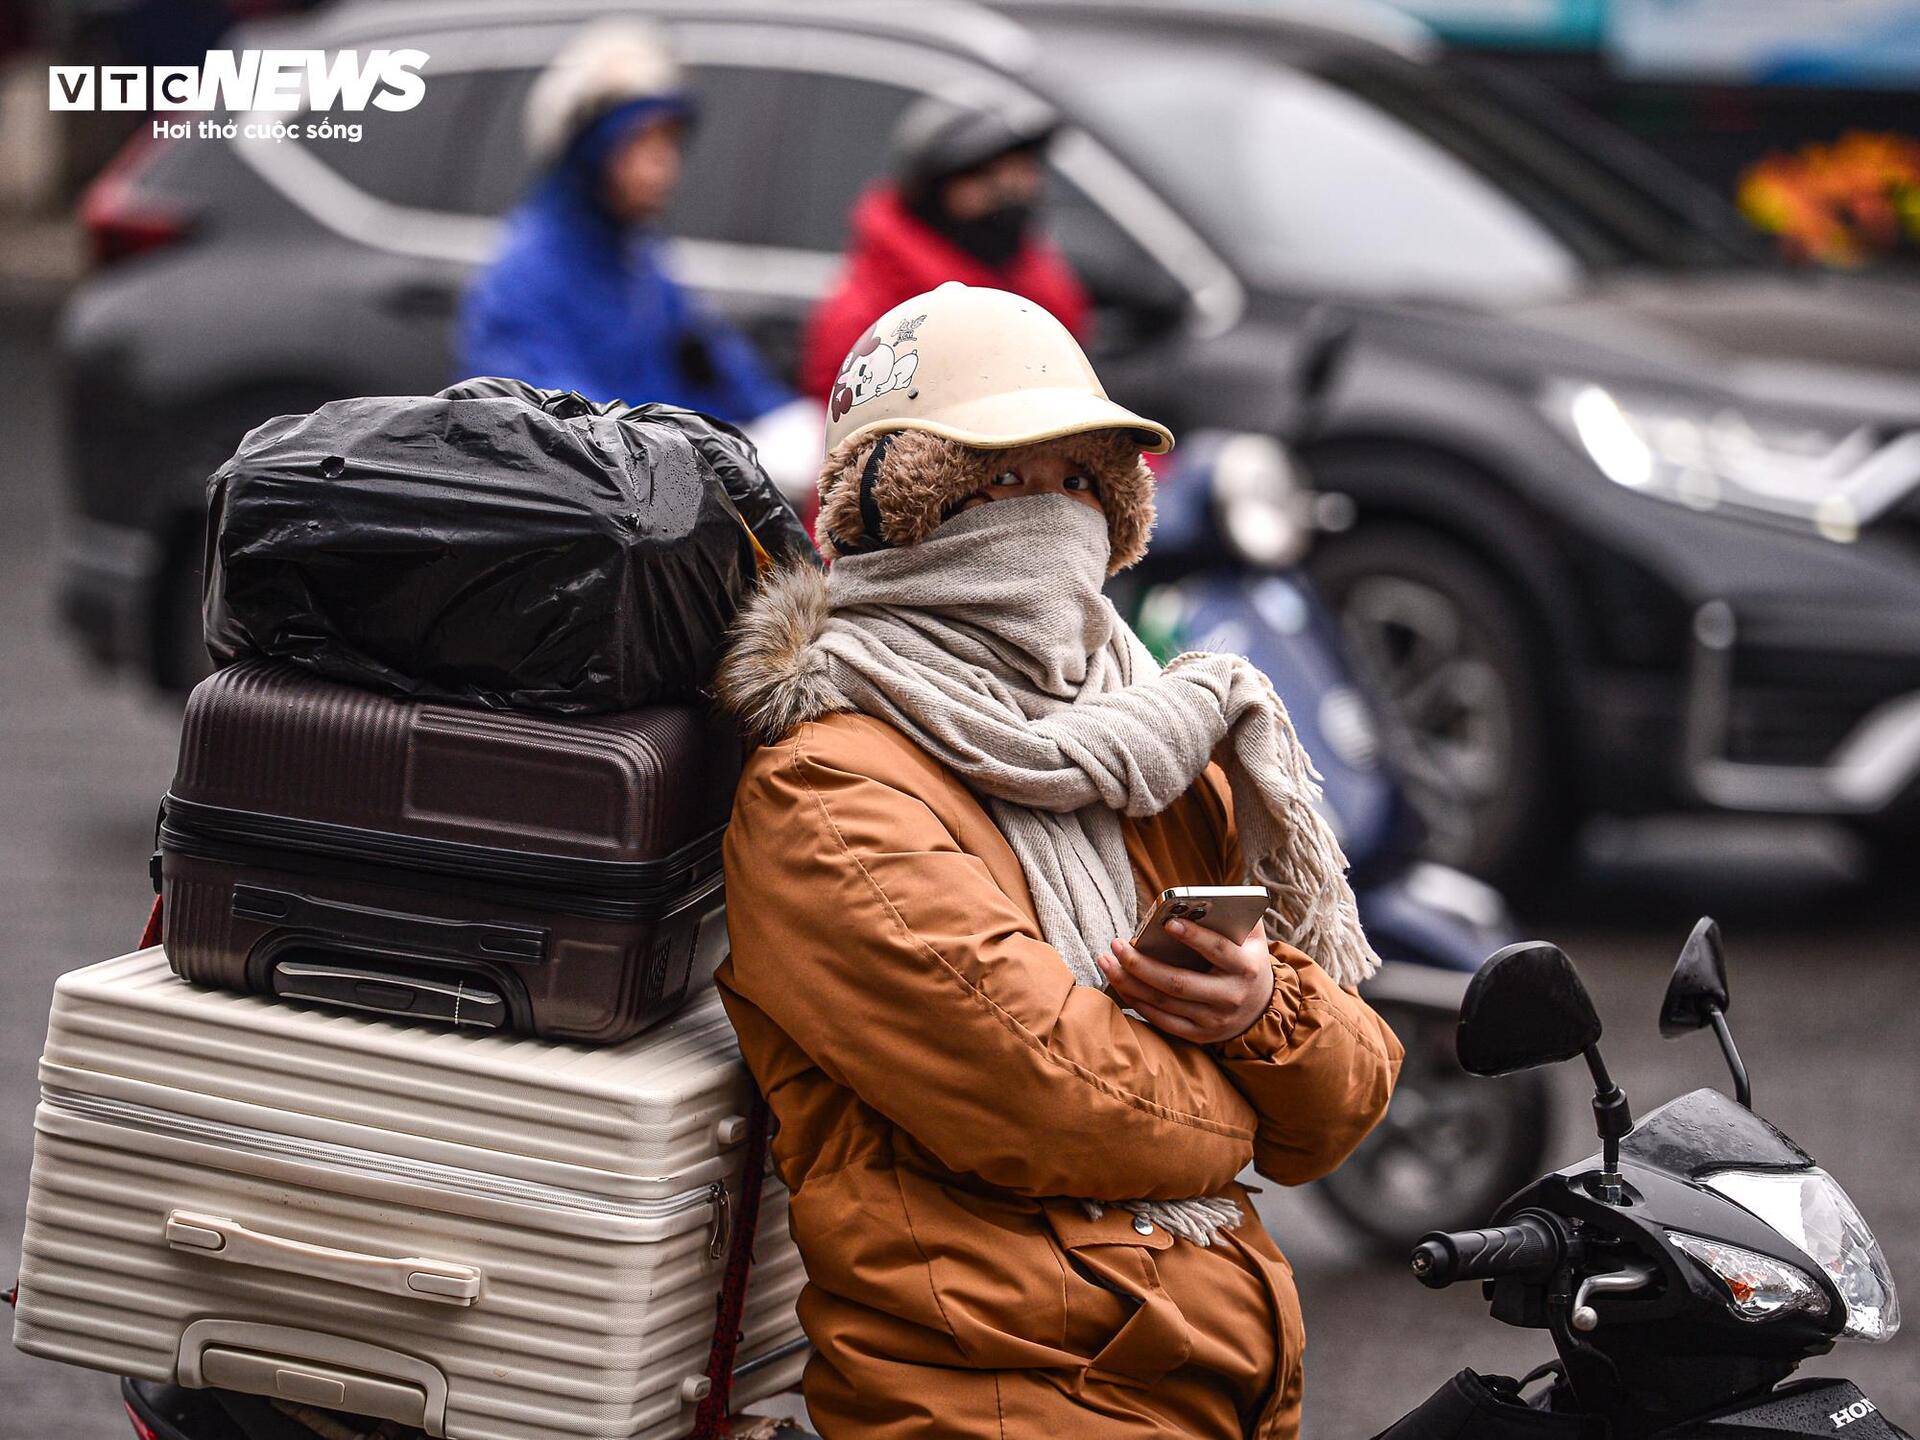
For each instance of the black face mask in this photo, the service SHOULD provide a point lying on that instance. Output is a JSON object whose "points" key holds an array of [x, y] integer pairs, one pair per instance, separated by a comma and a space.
{"points": [[992, 239], [995, 237]]}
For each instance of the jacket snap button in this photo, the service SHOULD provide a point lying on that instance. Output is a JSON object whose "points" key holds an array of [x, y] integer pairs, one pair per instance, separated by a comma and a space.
{"points": [[1143, 1225]]}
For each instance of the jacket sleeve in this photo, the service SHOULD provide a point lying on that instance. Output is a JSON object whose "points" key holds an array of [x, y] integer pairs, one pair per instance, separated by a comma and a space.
{"points": [[897, 963], [1318, 1066]]}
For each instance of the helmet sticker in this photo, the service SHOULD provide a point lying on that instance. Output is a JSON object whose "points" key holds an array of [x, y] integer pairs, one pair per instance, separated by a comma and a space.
{"points": [[875, 367]]}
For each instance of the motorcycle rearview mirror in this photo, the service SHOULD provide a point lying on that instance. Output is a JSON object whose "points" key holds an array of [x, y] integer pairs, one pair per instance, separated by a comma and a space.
{"points": [[1527, 1007], [1697, 999]]}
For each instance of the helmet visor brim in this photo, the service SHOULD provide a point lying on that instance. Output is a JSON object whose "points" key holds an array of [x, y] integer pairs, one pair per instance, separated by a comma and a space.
{"points": [[1026, 417]]}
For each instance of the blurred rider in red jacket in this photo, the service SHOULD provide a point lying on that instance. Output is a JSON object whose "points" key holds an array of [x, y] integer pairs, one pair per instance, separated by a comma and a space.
{"points": [[962, 205]]}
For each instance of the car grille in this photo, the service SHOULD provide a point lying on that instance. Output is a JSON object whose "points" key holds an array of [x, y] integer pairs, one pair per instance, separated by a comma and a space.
{"points": [[1796, 708], [1792, 727]]}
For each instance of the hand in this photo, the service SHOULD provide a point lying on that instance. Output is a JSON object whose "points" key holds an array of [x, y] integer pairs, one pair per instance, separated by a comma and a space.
{"points": [[1196, 1005]]}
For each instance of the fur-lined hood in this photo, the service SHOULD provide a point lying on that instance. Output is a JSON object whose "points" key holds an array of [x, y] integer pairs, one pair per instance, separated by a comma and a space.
{"points": [[772, 680]]}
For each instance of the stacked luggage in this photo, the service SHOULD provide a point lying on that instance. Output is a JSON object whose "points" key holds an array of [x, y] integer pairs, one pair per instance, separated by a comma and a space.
{"points": [[554, 876], [425, 1108]]}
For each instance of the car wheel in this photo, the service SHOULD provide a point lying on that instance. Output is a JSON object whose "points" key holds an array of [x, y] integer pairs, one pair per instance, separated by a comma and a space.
{"points": [[1437, 639], [1451, 1147]]}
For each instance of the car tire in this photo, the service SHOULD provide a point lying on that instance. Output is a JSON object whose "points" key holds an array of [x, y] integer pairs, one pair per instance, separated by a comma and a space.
{"points": [[1450, 1149], [1461, 681]]}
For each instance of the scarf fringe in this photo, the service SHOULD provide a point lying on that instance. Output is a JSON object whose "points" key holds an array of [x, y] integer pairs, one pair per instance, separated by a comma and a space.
{"points": [[1290, 848], [1202, 1221]]}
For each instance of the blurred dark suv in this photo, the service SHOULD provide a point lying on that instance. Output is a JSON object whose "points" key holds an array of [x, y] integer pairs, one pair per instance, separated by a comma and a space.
{"points": [[1633, 514]]}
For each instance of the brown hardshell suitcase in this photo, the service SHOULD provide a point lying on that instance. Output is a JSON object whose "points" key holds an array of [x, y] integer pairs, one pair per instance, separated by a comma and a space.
{"points": [[552, 876]]}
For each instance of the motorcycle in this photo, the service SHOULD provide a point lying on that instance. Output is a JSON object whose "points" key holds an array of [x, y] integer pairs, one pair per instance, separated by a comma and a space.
{"points": [[1236, 513], [1685, 1271]]}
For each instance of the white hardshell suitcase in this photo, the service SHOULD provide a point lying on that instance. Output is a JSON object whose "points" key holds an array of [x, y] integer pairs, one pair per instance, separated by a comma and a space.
{"points": [[490, 1237]]}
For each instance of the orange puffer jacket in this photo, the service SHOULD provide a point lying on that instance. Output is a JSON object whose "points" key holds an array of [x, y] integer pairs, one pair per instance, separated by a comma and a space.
{"points": [[941, 1083]]}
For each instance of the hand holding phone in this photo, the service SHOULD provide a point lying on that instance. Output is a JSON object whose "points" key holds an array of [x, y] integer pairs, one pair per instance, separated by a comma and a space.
{"points": [[1165, 981], [1229, 911]]}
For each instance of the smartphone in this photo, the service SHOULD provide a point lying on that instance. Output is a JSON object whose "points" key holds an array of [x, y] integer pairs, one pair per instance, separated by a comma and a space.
{"points": [[1228, 910]]}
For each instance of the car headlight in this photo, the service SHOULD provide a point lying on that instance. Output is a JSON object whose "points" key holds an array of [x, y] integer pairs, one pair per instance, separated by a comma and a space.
{"points": [[1720, 459], [1810, 1209], [1261, 501], [1755, 1286]]}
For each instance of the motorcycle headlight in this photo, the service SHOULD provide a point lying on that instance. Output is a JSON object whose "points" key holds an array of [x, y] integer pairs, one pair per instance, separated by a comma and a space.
{"points": [[1810, 1209], [1755, 1287], [1261, 501], [1720, 459]]}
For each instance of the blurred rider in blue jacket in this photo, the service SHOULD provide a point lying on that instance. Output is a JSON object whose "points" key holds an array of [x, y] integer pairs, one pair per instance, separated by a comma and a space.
{"points": [[577, 297]]}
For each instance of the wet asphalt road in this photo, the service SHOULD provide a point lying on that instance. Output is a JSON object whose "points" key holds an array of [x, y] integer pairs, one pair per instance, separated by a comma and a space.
{"points": [[1823, 974]]}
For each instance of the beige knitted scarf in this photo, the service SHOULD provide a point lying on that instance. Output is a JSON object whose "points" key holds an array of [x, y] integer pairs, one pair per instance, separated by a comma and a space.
{"points": [[990, 644]]}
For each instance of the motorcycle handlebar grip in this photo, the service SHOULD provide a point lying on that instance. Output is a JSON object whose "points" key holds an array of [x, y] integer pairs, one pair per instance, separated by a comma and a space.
{"points": [[1529, 1246]]}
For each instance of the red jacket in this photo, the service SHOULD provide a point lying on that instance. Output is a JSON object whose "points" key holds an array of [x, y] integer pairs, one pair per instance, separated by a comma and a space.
{"points": [[894, 256]]}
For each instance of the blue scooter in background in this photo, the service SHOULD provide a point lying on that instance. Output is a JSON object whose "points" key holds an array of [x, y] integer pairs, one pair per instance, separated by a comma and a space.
{"points": [[1236, 514]]}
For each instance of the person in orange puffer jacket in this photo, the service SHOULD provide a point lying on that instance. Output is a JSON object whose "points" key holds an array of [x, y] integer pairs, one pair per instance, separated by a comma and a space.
{"points": [[962, 205], [1012, 1142]]}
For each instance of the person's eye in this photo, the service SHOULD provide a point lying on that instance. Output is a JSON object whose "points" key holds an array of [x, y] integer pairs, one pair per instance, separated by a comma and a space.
{"points": [[1080, 483], [1007, 477]]}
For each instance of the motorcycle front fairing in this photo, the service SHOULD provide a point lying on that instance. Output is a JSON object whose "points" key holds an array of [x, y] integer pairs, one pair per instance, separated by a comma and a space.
{"points": [[1686, 1351], [1662, 1162]]}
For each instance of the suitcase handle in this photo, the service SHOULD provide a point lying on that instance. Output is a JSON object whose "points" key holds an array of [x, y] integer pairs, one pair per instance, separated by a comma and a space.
{"points": [[440, 1281], [423, 934], [383, 993]]}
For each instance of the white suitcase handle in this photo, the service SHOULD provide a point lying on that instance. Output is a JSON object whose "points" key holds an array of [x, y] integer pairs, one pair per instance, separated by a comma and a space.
{"points": [[438, 1280]]}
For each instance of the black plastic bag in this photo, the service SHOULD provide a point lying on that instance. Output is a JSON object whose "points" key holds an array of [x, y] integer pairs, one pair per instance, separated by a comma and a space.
{"points": [[495, 545], [724, 448]]}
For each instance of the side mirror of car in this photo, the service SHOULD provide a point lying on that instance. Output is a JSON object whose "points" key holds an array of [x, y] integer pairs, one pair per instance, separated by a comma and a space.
{"points": [[1525, 1008]]}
